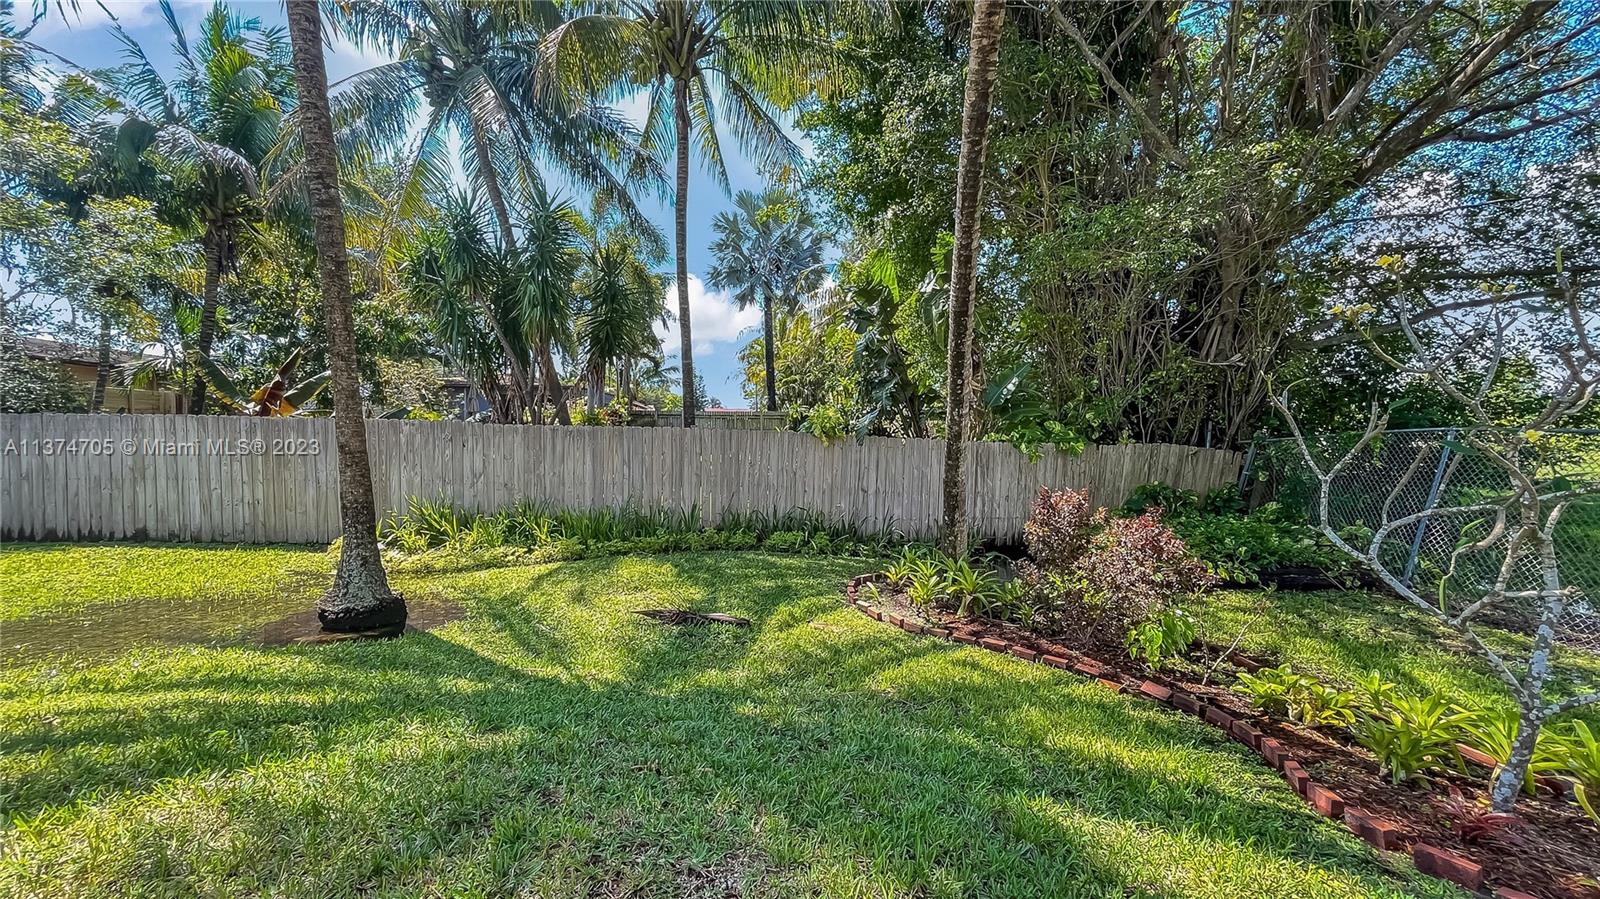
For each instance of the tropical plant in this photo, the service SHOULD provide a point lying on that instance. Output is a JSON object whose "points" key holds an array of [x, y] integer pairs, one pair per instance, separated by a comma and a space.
{"points": [[211, 128], [1412, 735], [1493, 732], [619, 301], [702, 61], [1580, 759], [1163, 638], [540, 282], [964, 584], [983, 56], [768, 254], [1271, 689], [280, 397], [360, 598]]}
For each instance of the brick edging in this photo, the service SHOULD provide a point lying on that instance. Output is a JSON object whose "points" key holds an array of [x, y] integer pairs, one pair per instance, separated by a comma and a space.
{"points": [[1432, 860]]}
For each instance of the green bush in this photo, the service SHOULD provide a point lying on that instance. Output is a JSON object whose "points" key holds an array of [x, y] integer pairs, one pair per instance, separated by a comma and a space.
{"points": [[1580, 759], [1162, 639], [1236, 546], [1412, 735]]}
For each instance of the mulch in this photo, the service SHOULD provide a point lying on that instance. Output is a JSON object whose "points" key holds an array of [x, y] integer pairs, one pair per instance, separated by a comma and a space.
{"points": [[1553, 852], [303, 628]]}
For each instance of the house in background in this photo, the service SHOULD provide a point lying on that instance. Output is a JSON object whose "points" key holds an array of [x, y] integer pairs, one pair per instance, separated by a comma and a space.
{"points": [[81, 363]]}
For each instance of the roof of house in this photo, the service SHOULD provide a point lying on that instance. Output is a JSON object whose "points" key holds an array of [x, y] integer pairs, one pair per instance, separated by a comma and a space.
{"points": [[57, 351]]}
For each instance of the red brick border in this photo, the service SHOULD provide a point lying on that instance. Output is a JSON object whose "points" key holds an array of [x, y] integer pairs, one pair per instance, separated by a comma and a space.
{"points": [[1432, 860]]}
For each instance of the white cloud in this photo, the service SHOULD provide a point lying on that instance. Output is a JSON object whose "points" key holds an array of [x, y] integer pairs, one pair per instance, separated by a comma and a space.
{"points": [[90, 15], [713, 316]]}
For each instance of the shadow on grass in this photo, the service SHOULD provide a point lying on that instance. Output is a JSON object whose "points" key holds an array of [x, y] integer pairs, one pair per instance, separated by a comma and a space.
{"points": [[584, 744]]}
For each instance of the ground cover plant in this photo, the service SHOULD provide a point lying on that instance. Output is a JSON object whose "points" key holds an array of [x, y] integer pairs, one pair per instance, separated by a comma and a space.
{"points": [[551, 743]]}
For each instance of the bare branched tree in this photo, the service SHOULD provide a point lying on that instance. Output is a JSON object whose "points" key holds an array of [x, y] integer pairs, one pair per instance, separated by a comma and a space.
{"points": [[1515, 520]]}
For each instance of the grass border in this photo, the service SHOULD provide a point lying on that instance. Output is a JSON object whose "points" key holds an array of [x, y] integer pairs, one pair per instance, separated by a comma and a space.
{"points": [[1383, 834]]}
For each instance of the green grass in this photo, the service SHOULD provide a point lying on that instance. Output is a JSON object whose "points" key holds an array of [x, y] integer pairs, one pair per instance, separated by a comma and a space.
{"points": [[551, 744]]}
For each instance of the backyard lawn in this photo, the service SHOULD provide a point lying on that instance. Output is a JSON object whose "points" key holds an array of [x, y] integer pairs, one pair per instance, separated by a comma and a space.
{"points": [[552, 744]]}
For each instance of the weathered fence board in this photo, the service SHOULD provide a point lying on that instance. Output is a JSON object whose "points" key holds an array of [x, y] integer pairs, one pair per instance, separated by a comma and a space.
{"points": [[244, 480]]}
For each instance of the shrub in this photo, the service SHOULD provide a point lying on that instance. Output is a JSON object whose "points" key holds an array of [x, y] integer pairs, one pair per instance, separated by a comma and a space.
{"points": [[963, 584], [1134, 567], [785, 541], [1270, 688], [1057, 530]]}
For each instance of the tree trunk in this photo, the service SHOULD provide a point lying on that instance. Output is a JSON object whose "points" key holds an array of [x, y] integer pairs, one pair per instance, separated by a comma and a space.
{"points": [[770, 354], [208, 313], [491, 184], [102, 368], [983, 56], [680, 202], [360, 598], [595, 395], [552, 380], [1508, 781]]}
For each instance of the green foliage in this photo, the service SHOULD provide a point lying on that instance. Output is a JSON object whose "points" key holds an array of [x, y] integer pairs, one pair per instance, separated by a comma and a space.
{"points": [[1235, 546], [1579, 755], [1412, 735], [1162, 639], [33, 385], [963, 584], [1270, 688], [1494, 731]]}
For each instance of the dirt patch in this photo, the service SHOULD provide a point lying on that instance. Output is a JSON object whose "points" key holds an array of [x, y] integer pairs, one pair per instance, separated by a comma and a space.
{"points": [[684, 616], [1552, 853], [303, 627]]}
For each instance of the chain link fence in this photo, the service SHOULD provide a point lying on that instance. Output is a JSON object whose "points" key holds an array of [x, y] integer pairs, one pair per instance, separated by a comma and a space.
{"points": [[1447, 555]]}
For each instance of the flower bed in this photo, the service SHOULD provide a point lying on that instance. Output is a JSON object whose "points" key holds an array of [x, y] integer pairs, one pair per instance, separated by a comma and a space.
{"points": [[1553, 852]]}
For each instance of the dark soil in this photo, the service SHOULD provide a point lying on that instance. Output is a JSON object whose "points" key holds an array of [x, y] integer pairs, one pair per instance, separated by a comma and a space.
{"points": [[1553, 852], [303, 627]]}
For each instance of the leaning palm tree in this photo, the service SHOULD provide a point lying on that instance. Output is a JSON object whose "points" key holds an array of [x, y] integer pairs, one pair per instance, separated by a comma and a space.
{"points": [[360, 598], [212, 126], [707, 64], [768, 253], [983, 56], [468, 68]]}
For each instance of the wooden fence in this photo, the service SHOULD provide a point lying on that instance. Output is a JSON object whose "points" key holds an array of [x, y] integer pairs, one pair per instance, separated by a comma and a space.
{"points": [[245, 480]]}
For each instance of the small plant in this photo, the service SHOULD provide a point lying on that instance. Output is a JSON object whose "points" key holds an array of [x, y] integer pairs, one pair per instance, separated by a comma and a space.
{"points": [[1580, 760], [785, 541], [964, 584], [1473, 822], [1412, 736], [1374, 692], [1163, 638], [898, 572], [1316, 704], [1494, 731], [1270, 688], [926, 583]]}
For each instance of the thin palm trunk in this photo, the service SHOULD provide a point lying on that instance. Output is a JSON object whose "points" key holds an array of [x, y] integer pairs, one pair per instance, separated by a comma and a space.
{"points": [[596, 394], [988, 17], [102, 368], [360, 598], [681, 232], [771, 354], [208, 312]]}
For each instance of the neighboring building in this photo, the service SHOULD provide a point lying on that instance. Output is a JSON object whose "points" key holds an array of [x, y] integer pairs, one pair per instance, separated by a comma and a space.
{"points": [[82, 363]]}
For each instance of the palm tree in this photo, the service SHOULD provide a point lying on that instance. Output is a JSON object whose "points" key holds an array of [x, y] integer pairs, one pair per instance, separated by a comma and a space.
{"points": [[983, 56], [472, 67], [212, 127], [768, 253], [704, 62], [360, 598], [541, 286], [620, 300]]}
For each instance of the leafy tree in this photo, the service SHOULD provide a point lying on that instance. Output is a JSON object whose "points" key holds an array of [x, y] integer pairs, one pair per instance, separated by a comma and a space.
{"points": [[211, 128], [811, 360], [360, 598], [768, 254], [705, 63], [619, 301]]}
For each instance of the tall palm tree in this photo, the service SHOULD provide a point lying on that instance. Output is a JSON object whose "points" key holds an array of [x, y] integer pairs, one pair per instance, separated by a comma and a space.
{"points": [[769, 254], [360, 598], [212, 126], [706, 64], [983, 57], [470, 68]]}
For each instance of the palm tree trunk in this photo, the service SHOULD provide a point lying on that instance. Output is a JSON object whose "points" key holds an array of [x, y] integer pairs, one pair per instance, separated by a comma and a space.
{"points": [[552, 380], [360, 598], [680, 202], [208, 312], [595, 395], [988, 17], [102, 368], [770, 353], [491, 184]]}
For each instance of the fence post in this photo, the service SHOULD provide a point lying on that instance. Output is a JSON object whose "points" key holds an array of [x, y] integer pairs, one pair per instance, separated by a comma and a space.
{"points": [[1249, 464], [1428, 506]]}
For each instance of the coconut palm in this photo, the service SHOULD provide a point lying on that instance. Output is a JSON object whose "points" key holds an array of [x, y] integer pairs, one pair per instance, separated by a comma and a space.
{"points": [[619, 301], [768, 254], [469, 68], [983, 55], [360, 598], [211, 126], [707, 65]]}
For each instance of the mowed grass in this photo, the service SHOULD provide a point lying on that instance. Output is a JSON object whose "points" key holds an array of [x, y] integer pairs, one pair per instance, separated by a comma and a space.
{"points": [[552, 744]]}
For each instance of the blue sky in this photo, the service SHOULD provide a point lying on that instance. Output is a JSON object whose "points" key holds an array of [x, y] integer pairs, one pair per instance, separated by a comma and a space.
{"points": [[719, 328]]}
